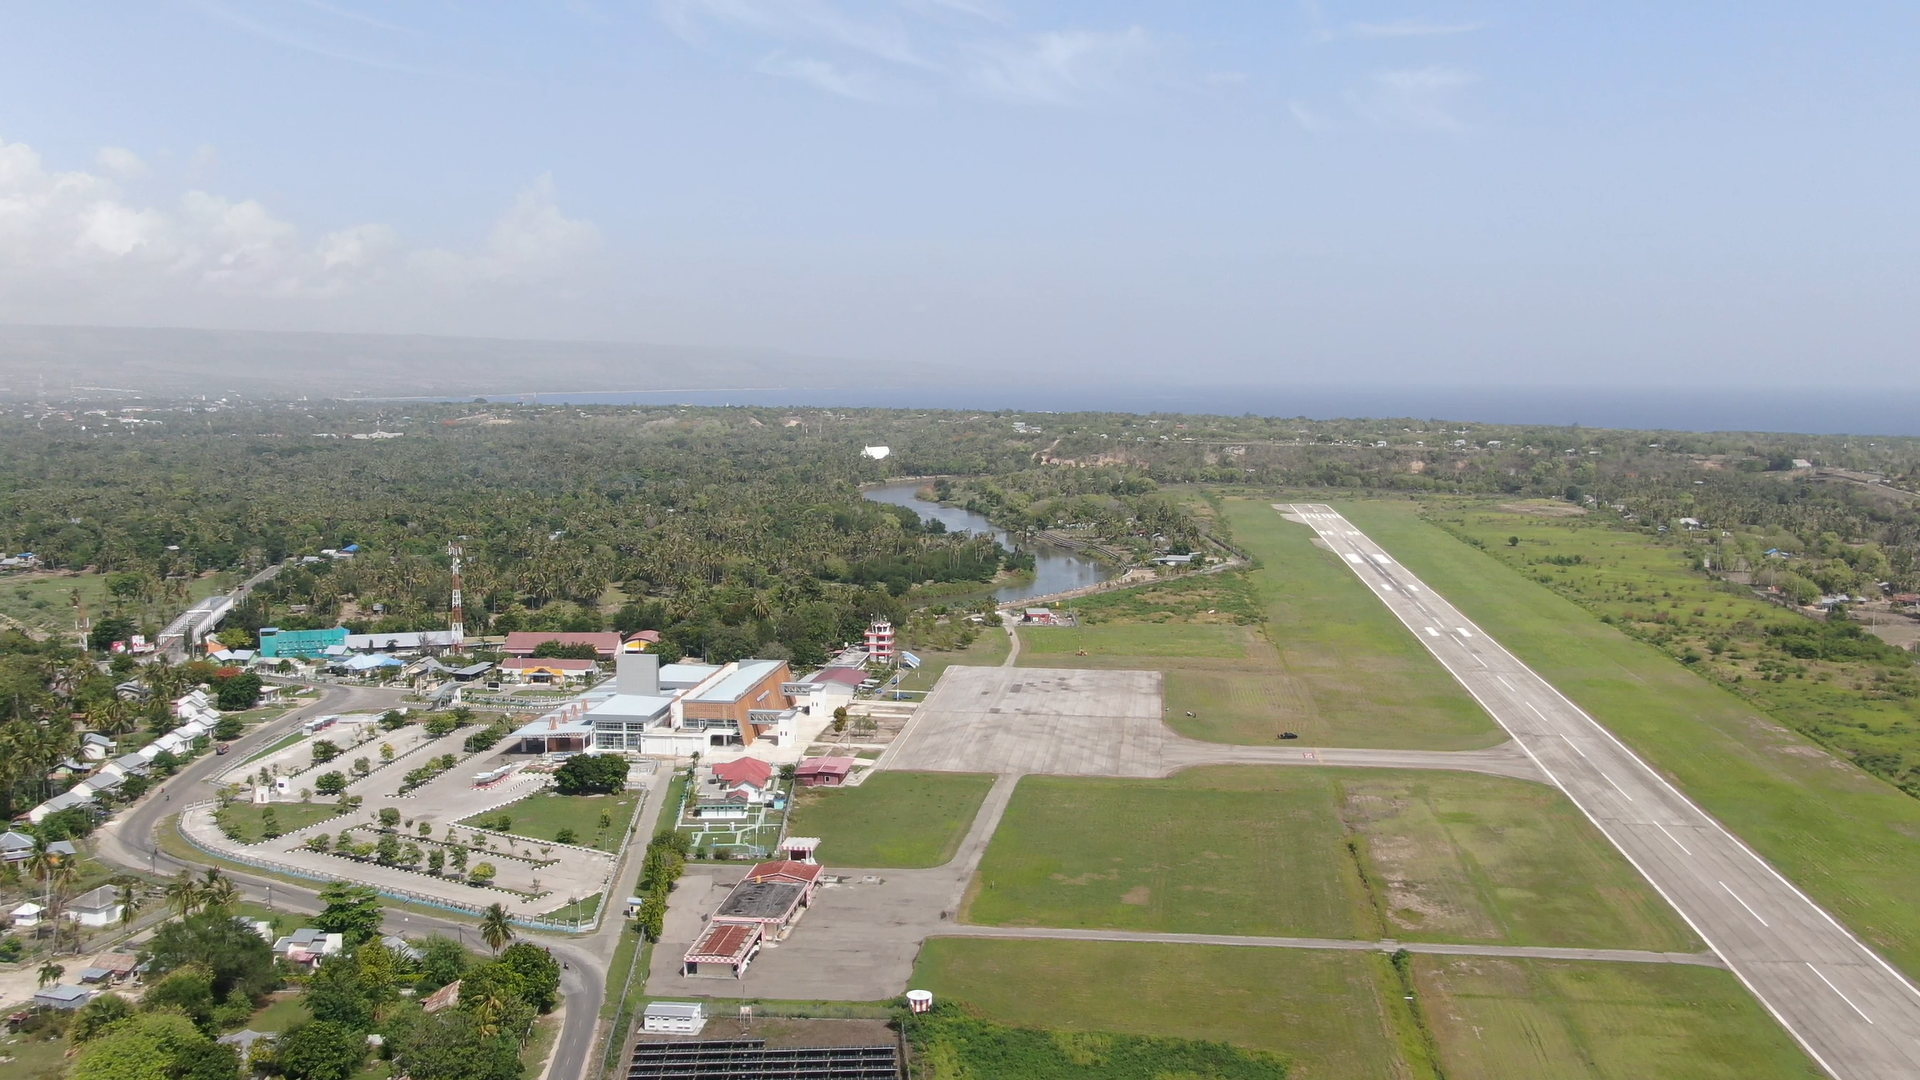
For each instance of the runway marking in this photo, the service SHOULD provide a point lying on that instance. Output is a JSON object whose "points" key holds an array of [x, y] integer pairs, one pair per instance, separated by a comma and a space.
{"points": [[1504, 682], [1670, 836], [1476, 656], [1462, 631], [1379, 558], [1432, 631], [1616, 787], [1744, 904], [1352, 558], [1836, 990], [1576, 747]]}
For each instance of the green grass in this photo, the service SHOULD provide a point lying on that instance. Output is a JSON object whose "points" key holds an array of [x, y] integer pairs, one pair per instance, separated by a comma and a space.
{"points": [[1324, 1011], [281, 1014], [952, 1044], [1298, 644], [246, 818], [1140, 640], [542, 816], [47, 600], [539, 1045], [1851, 841], [1501, 1019], [893, 819], [34, 1058], [987, 650], [566, 913], [1265, 851], [275, 748]]}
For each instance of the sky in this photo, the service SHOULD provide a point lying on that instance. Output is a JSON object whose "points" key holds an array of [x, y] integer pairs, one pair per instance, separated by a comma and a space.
{"points": [[1449, 194]]}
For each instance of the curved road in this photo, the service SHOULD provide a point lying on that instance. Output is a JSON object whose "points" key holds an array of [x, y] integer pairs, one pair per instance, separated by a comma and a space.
{"points": [[128, 841]]}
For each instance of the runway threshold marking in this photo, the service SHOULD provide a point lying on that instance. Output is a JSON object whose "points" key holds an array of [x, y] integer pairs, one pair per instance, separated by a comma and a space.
{"points": [[1675, 839], [1432, 631], [1837, 990], [1462, 631], [1742, 903]]}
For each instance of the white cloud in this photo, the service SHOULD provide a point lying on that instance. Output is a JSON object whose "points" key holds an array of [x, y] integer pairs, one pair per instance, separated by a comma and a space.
{"points": [[121, 162], [1308, 119], [1419, 98], [859, 85], [1058, 68], [74, 242]]}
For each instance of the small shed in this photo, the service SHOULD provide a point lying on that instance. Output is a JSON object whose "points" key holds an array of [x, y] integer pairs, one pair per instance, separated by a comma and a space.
{"points": [[27, 915], [673, 1018], [63, 997], [824, 771], [101, 907]]}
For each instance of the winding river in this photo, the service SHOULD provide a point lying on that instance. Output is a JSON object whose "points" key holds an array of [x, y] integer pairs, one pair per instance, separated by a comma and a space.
{"points": [[1054, 569]]}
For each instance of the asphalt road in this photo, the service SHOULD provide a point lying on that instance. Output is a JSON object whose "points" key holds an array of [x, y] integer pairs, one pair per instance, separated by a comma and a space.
{"points": [[128, 841], [1849, 1009]]}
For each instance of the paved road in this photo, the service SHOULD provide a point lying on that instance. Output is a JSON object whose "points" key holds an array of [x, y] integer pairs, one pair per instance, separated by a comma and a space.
{"points": [[128, 841], [1852, 1012], [1523, 952]]}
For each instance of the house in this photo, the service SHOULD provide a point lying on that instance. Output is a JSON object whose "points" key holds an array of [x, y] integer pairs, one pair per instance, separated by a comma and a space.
{"points": [[133, 764], [525, 642], [63, 997], [824, 771], [442, 999], [723, 950], [1038, 616], [399, 947], [547, 672], [64, 801], [673, 1018], [96, 747], [243, 1040], [15, 846], [101, 907], [308, 946], [104, 782], [119, 966], [1173, 560], [26, 916]]}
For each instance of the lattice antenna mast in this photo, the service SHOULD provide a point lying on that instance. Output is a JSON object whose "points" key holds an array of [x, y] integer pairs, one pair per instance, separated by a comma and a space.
{"points": [[456, 615]]}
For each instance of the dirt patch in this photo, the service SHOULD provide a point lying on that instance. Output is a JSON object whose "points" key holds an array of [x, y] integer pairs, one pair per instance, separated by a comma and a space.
{"points": [[1139, 896], [1545, 508]]}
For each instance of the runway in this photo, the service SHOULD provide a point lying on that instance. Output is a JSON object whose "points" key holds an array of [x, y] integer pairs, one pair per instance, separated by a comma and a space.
{"points": [[1856, 1016]]}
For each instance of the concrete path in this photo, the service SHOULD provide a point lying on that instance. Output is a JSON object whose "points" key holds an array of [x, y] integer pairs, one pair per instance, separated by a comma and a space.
{"points": [[1523, 952], [1079, 722], [1848, 1008]]}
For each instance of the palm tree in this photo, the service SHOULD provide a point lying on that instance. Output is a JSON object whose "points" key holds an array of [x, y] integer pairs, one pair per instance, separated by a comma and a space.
{"points": [[41, 863], [129, 904], [495, 928], [50, 973], [217, 890], [183, 893]]}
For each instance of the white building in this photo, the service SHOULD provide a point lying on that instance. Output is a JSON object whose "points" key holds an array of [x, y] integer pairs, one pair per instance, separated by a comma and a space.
{"points": [[673, 1018]]}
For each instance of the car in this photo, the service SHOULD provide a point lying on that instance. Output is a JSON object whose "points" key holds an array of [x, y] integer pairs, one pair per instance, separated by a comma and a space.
{"points": [[222, 748], [1287, 735]]}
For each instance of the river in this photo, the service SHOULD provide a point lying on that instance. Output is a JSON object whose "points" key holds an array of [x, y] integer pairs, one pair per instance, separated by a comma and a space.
{"points": [[1055, 569]]}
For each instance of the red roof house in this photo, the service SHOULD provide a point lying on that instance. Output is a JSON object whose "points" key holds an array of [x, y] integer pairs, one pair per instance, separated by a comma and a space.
{"points": [[824, 771], [746, 771], [524, 642]]}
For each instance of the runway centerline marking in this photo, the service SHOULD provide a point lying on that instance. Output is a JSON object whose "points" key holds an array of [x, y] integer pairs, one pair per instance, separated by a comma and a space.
{"points": [[1675, 839], [1742, 903], [1616, 787], [1575, 745], [1835, 989], [1504, 682]]}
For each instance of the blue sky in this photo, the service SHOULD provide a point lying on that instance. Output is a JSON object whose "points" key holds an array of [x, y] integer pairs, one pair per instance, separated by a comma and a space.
{"points": [[1444, 193]]}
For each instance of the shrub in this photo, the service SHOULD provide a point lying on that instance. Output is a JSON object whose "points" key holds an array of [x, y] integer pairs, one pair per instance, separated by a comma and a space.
{"points": [[566, 836], [484, 873]]}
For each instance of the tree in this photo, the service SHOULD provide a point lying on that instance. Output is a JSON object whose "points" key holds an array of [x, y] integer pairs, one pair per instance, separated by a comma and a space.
{"points": [[436, 861], [217, 890], [352, 911], [129, 904], [238, 960], [324, 751], [319, 1050], [336, 995], [387, 849], [96, 1016], [50, 972], [495, 928], [331, 783], [484, 873], [183, 893], [389, 817], [361, 766], [239, 693], [495, 995], [155, 1046], [555, 649], [565, 836], [187, 990], [228, 728], [442, 960], [450, 1046], [269, 823], [591, 774], [539, 972], [459, 859]]}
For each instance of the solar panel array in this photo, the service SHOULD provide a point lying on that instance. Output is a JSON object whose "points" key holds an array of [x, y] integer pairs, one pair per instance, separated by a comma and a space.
{"points": [[752, 1059]]}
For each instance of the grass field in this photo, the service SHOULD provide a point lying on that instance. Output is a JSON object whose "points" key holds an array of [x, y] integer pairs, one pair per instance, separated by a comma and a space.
{"points": [[987, 650], [1265, 851], [542, 816], [1500, 1019], [1296, 645], [246, 819], [1325, 1011], [45, 600], [1851, 841], [282, 1013], [893, 819]]}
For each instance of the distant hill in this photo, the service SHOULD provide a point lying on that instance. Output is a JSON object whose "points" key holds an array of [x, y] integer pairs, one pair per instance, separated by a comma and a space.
{"points": [[60, 360]]}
